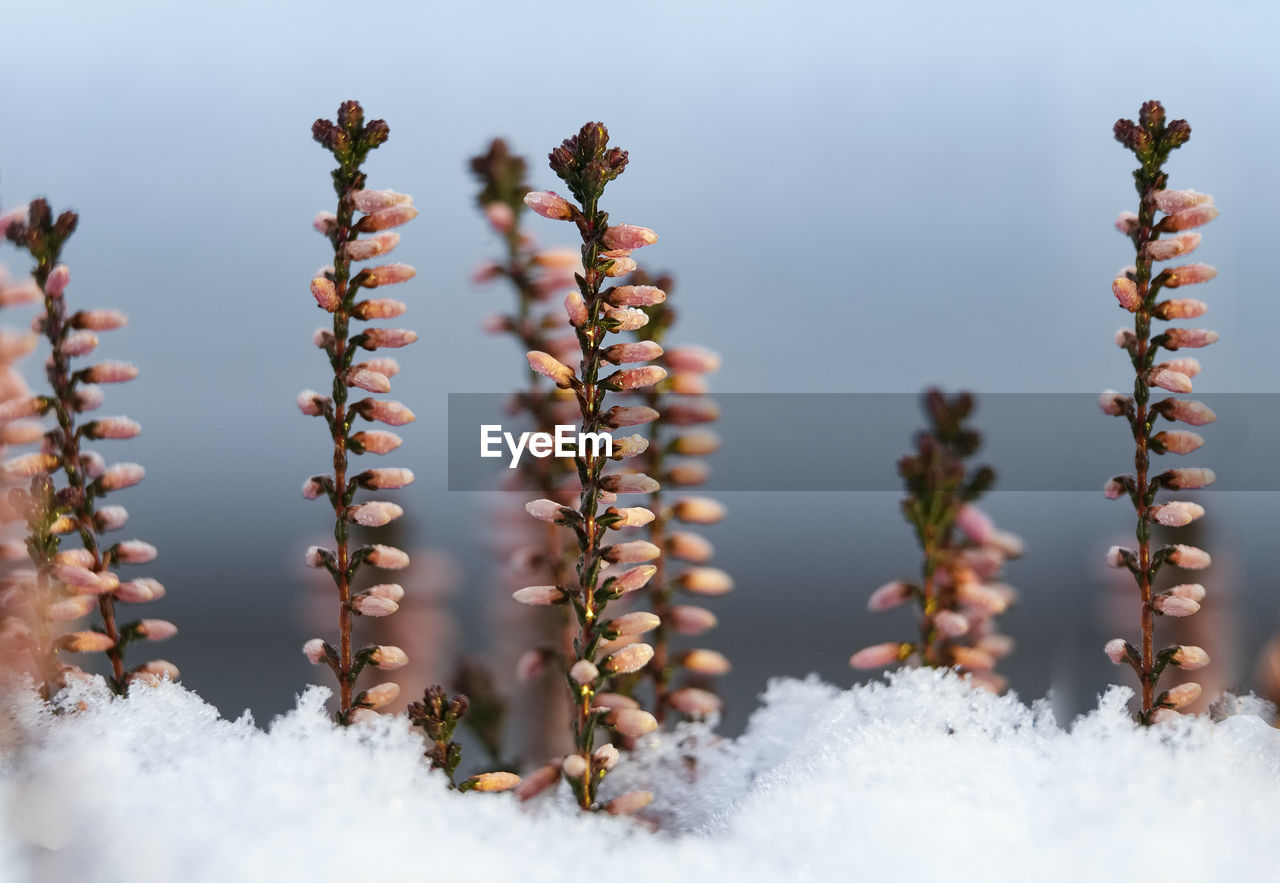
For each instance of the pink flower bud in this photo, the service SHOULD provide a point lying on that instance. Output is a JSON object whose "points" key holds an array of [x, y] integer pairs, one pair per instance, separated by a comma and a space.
{"points": [[314, 650], [99, 320], [79, 343], [1118, 556], [584, 672], [380, 338], [628, 236], [86, 642], [635, 296], [84, 580], [605, 757], [1181, 695], [379, 308], [698, 510], [575, 766], [634, 415], [1189, 479], [1185, 364], [550, 205], [135, 552], [634, 578], [1185, 219], [1174, 381], [1164, 249], [317, 555], [139, 591], [88, 398], [629, 446], [111, 372], [388, 657], [1117, 650], [14, 345], [975, 524], [878, 655], [634, 378], [490, 783], [501, 217], [323, 338], [1171, 201], [627, 318], [112, 427], [1188, 411], [1189, 557], [1168, 604], [625, 804], [631, 721], [705, 662], [157, 629], [372, 605], [369, 201], [381, 479], [631, 552], [548, 510], [707, 581], [109, 518], [1191, 591], [122, 475], [385, 219], [890, 596], [1176, 514], [635, 623], [1192, 337], [576, 308], [539, 595], [629, 483], [325, 223], [690, 547], [693, 360], [20, 295], [371, 381], [310, 402], [325, 293], [386, 411], [374, 514], [1126, 293], [1189, 274], [388, 274], [370, 247], [950, 624], [376, 697], [1125, 338], [70, 609], [630, 516], [532, 664], [377, 442], [485, 272], [59, 278], [31, 464], [1114, 489], [642, 351], [1112, 403], [157, 670], [388, 557], [688, 411], [620, 266], [695, 702], [1127, 223], [21, 432], [553, 369]]}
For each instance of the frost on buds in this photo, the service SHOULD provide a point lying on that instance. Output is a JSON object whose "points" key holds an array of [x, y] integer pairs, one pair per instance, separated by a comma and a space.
{"points": [[1126, 293], [554, 370], [549, 205]]}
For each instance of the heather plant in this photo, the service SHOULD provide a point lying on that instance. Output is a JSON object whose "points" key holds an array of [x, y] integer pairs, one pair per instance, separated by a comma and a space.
{"points": [[963, 553], [70, 583], [545, 553], [1137, 288], [335, 289], [677, 438], [586, 163]]}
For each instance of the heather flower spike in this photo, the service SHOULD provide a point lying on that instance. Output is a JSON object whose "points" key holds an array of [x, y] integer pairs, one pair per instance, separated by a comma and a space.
{"points": [[336, 291], [586, 164], [1152, 139], [958, 597], [54, 512]]}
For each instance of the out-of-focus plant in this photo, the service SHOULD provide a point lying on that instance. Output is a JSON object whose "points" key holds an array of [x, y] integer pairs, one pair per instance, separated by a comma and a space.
{"points": [[677, 438], [1137, 288], [586, 163], [335, 290], [957, 597], [69, 584]]}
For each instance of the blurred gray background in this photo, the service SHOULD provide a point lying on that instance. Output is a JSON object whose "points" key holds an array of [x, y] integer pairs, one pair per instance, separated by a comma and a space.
{"points": [[854, 197]]}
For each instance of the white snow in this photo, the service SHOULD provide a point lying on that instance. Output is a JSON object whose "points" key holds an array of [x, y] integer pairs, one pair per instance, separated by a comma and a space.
{"points": [[921, 778]]}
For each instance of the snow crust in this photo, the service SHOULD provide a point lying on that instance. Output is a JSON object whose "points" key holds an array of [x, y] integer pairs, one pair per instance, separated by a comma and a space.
{"points": [[920, 778]]}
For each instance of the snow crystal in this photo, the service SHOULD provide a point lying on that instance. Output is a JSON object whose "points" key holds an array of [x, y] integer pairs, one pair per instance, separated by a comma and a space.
{"points": [[917, 778]]}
